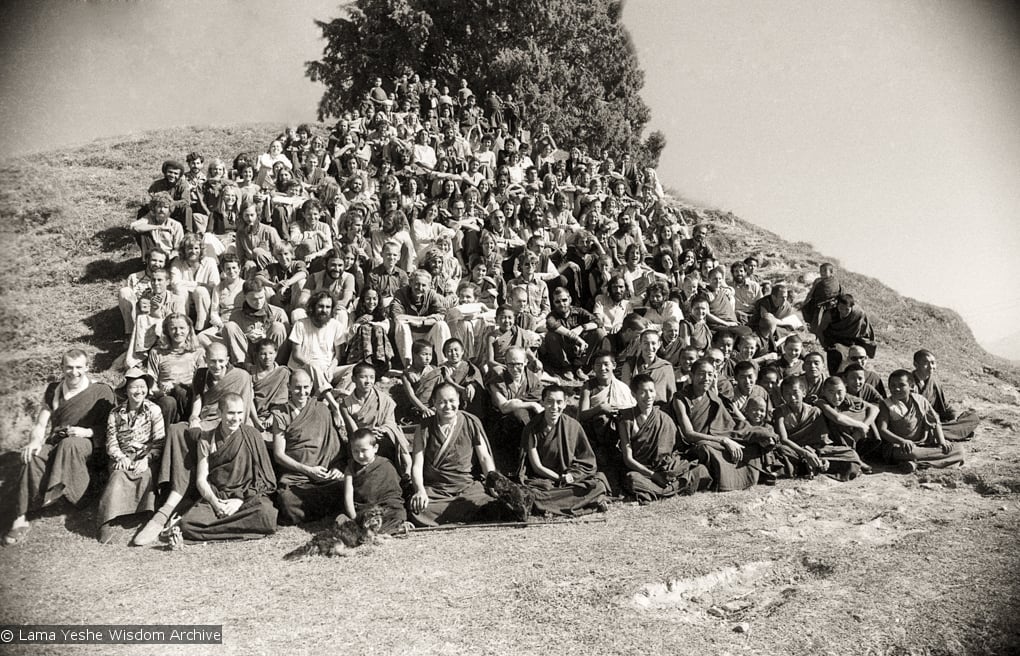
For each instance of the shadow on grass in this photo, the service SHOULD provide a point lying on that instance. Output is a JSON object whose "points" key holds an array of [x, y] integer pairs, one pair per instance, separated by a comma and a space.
{"points": [[116, 238], [102, 270], [106, 335], [10, 468]]}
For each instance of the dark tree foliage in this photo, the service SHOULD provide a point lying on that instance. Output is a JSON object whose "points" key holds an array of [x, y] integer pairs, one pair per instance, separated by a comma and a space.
{"points": [[570, 62]]}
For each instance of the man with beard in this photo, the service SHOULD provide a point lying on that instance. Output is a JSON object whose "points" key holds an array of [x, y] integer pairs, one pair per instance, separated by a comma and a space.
{"points": [[611, 308], [418, 312], [176, 185], [315, 342], [559, 463], [745, 292], [573, 336], [658, 309], [339, 284], [157, 230], [255, 320]]}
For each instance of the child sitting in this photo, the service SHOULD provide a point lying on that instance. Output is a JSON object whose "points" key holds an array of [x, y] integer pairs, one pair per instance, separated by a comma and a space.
{"points": [[911, 430], [372, 481]]}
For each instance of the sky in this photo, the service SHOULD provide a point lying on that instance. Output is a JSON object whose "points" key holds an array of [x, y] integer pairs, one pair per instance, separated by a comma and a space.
{"points": [[885, 133]]}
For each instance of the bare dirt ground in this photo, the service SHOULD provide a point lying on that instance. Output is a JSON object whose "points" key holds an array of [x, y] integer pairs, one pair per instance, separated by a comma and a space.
{"points": [[887, 564]]}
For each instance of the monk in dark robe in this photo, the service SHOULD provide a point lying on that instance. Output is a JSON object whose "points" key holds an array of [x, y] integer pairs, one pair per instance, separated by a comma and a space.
{"points": [[210, 385], [270, 383], [559, 464], [648, 443], [844, 326], [516, 395], [821, 296], [850, 420], [234, 478], [911, 430], [731, 451], [465, 376], [956, 427], [309, 455], [804, 437], [372, 481], [69, 434], [450, 455], [367, 407]]}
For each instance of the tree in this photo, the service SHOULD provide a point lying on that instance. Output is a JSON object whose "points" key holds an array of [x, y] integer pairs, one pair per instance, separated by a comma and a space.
{"points": [[570, 62]]}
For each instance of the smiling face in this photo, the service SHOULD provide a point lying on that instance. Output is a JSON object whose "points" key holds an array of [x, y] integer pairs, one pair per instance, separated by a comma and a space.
{"points": [[216, 360], [173, 174], [699, 310], [834, 393], [231, 271], [232, 414], [391, 256], [177, 331], [364, 380], [703, 376], [322, 311], [447, 402], [649, 346], [74, 370], [454, 353], [554, 403], [137, 389], [370, 301], [899, 388]]}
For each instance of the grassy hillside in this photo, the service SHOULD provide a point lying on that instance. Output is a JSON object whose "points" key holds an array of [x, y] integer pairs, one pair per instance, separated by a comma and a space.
{"points": [[65, 250], [887, 564]]}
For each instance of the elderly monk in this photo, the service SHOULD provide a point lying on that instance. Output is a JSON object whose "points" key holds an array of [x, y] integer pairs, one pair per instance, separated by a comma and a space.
{"points": [[310, 456], [234, 478], [449, 448], [68, 429]]}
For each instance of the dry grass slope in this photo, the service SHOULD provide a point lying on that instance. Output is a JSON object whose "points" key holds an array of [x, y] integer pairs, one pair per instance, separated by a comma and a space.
{"points": [[890, 564]]}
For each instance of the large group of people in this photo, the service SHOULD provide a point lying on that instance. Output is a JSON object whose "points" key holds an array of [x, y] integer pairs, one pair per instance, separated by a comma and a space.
{"points": [[382, 315]]}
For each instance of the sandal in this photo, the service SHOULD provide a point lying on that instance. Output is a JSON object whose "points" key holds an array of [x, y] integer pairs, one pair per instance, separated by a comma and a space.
{"points": [[16, 535]]}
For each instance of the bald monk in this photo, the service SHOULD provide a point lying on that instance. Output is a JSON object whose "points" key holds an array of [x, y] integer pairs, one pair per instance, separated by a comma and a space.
{"points": [[911, 430], [451, 452], [234, 478], [309, 454]]}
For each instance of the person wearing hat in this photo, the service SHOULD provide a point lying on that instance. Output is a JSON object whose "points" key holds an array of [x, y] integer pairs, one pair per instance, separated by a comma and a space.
{"points": [[134, 445]]}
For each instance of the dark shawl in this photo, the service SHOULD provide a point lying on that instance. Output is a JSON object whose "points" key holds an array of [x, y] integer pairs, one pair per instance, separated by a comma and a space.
{"points": [[311, 439], [240, 468]]}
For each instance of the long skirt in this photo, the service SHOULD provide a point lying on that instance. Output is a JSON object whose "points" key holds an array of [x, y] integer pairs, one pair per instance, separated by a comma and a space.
{"points": [[572, 500], [962, 428], [256, 518], [726, 475], [924, 456], [58, 470], [473, 504], [126, 493]]}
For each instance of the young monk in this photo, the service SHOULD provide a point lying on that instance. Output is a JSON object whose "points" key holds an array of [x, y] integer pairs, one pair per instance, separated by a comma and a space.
{"points": [[649, 363], [957, 427], [851, 421], [134, 442], [372, 481], [270, 383], [647, 444], [911, 430], [603, 397], [671, 345], [69, 427], [367, 407], [309, 454], [731, 452], [463, 375], [856, 379], [804, 437], [234, 478], [448, 447], [745, 388], [506, 334], [416, 378], [790, 362], [813, 375], [559, 464]]}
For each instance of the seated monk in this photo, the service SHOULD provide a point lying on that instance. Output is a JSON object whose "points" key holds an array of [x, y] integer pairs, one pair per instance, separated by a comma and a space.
{"points": [[851, 421], [559, 464], [820, 297], [309, 454], [745, 388], [957, 427], [515, 398], [731, 451], [648, 443], [911, 430], [368, 408], [234, 478], [813, 376], [449, 448], [804, 438], [270, 382], [649, 363], [465, 376], [603, 397], [210, 384], [69, 429], [845, 325], [858, 355], [856, 378], [372, 481]]}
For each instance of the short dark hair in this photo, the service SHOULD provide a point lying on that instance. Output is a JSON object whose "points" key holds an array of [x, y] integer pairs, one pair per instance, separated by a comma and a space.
{"points": [[549, 389], [639, 380]]}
